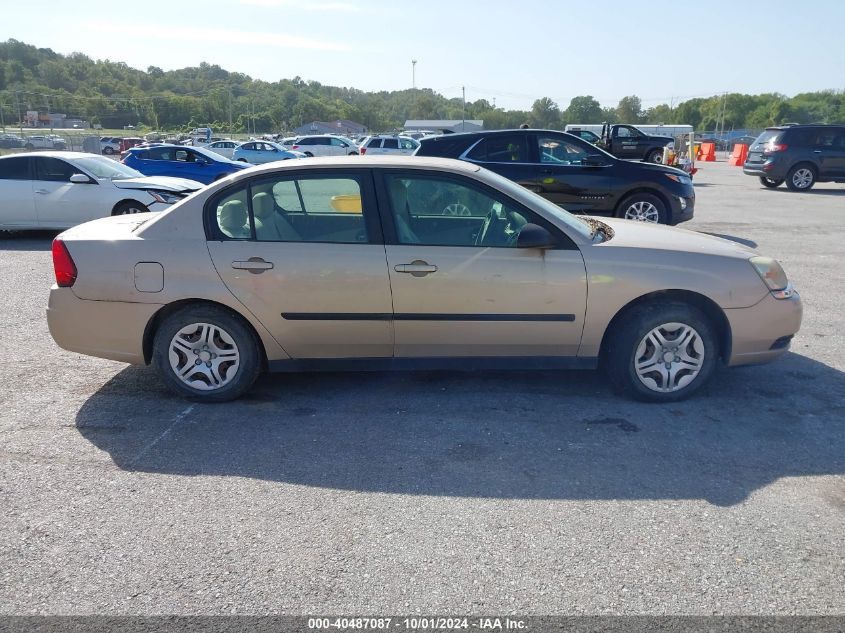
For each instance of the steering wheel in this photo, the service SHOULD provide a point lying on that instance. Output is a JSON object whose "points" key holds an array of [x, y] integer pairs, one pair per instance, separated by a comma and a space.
{"points": [[482, 232], [456, 208]]}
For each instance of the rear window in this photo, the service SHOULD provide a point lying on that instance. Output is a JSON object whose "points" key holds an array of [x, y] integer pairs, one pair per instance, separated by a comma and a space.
{"points": [[767, 136]]}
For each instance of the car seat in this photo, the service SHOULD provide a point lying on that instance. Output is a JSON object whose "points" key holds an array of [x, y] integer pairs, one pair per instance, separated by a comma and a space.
{"points": [[232, 219]]}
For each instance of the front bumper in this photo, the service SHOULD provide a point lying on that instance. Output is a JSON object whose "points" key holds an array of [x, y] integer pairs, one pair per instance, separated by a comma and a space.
{"points": [[105, 329], [761, 333], [683, 207]]}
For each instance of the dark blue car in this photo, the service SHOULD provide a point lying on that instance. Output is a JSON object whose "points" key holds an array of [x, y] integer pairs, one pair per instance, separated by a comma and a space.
{"points": [[194, 163]]}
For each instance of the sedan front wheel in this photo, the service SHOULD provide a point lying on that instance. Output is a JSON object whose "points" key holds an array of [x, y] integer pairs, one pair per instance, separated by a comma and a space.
{"points": [[661, 352]]}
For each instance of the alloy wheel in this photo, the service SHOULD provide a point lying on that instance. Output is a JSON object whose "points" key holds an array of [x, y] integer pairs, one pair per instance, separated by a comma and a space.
{"points": [[642, 211], [802, 178]]}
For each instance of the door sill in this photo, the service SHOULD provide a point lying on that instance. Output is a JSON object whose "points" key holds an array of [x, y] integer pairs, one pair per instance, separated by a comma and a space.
{"points": [[461, 363]]}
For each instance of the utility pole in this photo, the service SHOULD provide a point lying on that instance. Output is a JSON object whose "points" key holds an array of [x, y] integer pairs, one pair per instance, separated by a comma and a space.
{"points": [[464, 109], [230, 111], [414, 74]]}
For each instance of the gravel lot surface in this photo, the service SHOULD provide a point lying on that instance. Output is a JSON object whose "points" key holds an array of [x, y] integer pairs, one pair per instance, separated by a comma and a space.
{"points": [[530, 493]]}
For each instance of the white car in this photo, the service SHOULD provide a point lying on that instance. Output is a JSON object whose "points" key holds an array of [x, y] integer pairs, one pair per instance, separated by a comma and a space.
{"points": [[44, 142], [58, 190], [396, 145], [325, 145], [224, 147], [110, 145]]}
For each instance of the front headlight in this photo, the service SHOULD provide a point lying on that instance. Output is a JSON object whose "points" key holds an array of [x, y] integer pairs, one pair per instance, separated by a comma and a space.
{"points": [[679, 178], [166, 198], [773, 276]]}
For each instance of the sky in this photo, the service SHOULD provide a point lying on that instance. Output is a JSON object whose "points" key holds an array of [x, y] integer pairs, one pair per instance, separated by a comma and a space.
{"points": [[507, 51]]}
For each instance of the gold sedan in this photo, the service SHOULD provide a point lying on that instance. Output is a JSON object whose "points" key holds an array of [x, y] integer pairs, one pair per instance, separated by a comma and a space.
{"points": [[403, 263]]}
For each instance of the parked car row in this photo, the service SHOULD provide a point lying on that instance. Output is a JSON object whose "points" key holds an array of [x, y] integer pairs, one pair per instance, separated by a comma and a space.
{"points": [[58, 190]]}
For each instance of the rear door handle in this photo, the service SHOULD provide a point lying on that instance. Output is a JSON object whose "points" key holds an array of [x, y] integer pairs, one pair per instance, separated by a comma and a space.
{"points": [[42, 191], [255, 265], [417, 268]]}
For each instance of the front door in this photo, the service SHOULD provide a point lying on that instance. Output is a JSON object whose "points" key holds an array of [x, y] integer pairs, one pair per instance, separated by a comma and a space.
{"points": [[568, 176], [626, 142], [462, 288], [304, 253], [60, 203]]}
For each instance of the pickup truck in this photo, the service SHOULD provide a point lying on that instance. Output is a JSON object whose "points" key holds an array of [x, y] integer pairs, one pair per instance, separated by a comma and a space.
{"points": [[627, 141]]}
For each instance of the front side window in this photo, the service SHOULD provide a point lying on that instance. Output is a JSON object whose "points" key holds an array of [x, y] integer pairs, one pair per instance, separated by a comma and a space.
{"points": [[53, 170], [624, 132], [501, 148], [445, 212], [559, 152]]}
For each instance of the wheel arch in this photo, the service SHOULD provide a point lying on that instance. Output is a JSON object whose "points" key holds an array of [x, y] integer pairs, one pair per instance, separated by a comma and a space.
{"points": [[158, 318], [710, 308], [125, 201], [649, 190]]}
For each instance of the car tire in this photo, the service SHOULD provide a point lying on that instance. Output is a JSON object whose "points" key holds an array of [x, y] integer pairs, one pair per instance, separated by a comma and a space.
{"points": [[801, 177], [655, 156], [243, 160], [771, 183], [309, 154], [129, 207], [108, 151], [637, 353], [179, 346], [353, 153], [643, 207], [29, 147]]}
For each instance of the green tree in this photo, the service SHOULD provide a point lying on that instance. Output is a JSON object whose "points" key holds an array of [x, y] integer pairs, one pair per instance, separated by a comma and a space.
{"points": [[545, 113], [583, 109], [629, 110]]}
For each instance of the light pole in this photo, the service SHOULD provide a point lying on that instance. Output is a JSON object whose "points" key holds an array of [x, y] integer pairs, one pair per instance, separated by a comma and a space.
{"points": [[414, 74]]}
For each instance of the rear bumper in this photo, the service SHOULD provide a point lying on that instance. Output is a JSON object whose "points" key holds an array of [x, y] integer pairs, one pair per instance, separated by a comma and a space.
{"points": [[762, 332], [771, 168], [105, 329]]}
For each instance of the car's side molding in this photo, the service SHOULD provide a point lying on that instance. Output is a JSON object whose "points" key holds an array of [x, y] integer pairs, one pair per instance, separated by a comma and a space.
{"points": [[421, 316], [442, 363]]}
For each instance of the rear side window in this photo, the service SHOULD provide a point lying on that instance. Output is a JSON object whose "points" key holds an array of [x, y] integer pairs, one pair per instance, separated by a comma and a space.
{"points": [[14, 169], [801, 137], [232, 215], [502, 148], [374, 143], [159, 153], [391, 143], [826, 137]]}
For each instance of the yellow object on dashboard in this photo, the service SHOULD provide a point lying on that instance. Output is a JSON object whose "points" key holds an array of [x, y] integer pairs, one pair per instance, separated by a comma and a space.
{"points": [[347, 203]]}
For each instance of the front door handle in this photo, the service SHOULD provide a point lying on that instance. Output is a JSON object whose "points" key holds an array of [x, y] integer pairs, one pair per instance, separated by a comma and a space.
{"points": [[255, 265], [417, 268], [817, 151]]}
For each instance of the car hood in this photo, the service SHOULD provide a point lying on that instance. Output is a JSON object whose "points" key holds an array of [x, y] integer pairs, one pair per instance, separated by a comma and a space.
{"points": [[644, 235], [163, 183]]}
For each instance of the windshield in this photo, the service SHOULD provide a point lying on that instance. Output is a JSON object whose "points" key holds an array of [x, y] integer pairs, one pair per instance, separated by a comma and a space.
{"points": [[576, 224], [103, 167], [213, 157]]}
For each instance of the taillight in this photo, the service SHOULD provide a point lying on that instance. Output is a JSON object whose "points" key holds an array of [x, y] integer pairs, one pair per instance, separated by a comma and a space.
{"points": [[771, 148], [363, 151], [63, 264], [295, 147]]}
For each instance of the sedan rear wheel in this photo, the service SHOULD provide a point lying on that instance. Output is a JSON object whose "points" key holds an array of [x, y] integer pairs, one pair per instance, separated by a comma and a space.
{"points": [[661, 352], [206, 354], [643, 207]]}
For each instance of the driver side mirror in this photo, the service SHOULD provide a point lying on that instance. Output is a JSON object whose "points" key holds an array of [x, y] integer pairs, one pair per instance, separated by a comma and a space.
{"points": [[594, 160], [80, 179], [534, 236]]}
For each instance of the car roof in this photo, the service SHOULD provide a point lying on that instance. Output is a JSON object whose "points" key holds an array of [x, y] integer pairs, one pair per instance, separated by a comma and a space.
{"points": [[67, 155], [407, 162]]}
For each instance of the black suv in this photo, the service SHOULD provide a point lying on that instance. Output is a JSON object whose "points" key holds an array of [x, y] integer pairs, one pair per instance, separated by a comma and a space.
{"points": [[574, 174], [800, 155]]}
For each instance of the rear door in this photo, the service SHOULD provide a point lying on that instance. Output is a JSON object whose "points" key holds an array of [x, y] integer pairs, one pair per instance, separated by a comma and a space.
{"points": [[60, 203], [17, 205], [509, 155], [829, 148], [303, 252], [460, 286]]}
